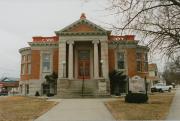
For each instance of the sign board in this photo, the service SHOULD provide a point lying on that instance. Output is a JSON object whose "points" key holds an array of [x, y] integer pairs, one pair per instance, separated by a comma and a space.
{"points": [[137, 85]]}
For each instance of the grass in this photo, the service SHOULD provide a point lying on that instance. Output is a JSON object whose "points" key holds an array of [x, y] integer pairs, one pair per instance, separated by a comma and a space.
{"points": [[157, 108], [19, 108]]}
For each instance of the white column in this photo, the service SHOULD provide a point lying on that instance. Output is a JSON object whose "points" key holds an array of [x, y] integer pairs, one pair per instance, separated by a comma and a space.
{"points": [[96, 60], [62, 59], [70, 58], [104, 58]]}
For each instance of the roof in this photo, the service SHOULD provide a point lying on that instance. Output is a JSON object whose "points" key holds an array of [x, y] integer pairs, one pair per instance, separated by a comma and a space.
{"points": [[152, 67], [9, 79], [85, 27], [10, 84]]}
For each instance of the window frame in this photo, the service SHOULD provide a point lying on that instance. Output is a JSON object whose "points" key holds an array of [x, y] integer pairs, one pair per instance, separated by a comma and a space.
{"points": [[122, 61], [48, 70], [139, 59]]}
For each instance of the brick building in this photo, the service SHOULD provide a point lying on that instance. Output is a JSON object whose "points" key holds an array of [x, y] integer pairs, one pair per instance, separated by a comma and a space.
{"points": [[80, 51]]}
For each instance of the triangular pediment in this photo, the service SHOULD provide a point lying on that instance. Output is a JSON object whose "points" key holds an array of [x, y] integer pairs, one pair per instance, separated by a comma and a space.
{"points": [[82, 27]]}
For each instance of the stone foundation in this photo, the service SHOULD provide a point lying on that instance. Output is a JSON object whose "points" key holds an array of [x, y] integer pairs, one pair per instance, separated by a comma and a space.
{"points": [[34, 85]]}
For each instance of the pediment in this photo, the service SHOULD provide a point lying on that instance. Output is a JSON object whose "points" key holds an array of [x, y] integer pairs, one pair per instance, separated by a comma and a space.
{"points": [[82, 27]]}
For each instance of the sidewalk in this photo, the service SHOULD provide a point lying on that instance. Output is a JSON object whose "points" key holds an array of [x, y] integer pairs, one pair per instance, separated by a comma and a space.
{"points": [[78, 110], [174, 113]]}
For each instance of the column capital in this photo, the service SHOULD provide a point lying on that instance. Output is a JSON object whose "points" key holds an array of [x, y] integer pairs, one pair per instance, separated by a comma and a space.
{"points": [[70, 42], [95, 41]]}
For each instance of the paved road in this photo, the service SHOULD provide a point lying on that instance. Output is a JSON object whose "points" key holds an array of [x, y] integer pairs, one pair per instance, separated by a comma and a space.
{"points": [[174, 113], [78, 110]]}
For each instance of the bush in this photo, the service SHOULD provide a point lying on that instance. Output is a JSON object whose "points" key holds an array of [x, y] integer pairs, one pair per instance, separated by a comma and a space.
{"points": [[37, 93], [50, 94], [136, 98]]}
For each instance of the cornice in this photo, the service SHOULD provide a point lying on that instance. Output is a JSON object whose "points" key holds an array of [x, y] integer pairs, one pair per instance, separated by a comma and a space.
{"points": [[24, 49], [99, 33], [43, 44], [123, 42]]}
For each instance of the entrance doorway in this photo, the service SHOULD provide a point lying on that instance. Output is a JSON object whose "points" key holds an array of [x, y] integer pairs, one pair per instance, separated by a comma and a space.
{"points": [[84, 64]]}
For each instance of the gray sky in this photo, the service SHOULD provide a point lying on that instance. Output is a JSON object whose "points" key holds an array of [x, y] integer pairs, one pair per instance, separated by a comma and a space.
{"points": [[22, 19]]}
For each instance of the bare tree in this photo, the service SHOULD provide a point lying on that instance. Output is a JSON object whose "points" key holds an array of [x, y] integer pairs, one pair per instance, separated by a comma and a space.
{"points": [[171, 73], [156, 21]]}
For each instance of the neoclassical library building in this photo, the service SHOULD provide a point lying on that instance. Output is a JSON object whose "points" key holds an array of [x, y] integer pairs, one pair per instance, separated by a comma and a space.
{"points": [[81, 55]]}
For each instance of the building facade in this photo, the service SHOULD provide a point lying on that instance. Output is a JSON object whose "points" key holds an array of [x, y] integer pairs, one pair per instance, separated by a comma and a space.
{"points": [[82, 55]]}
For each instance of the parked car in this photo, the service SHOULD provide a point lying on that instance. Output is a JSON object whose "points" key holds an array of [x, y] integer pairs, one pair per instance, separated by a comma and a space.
{"points": [[3, 92], [161, 87]]}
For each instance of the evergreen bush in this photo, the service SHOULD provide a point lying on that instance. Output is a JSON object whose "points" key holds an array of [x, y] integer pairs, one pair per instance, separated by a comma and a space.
{"points": [[136, 98], [37, 93]]}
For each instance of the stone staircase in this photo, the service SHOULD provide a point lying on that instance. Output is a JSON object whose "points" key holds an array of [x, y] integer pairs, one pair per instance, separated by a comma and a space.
{"points": [[73, 88]]}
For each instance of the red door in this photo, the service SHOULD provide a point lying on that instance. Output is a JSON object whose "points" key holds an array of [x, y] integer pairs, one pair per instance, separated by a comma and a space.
{"points": [[84, 64]]}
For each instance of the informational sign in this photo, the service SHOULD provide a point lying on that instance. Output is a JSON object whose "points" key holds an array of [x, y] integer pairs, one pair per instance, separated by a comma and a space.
{"points": [[137, 85]]}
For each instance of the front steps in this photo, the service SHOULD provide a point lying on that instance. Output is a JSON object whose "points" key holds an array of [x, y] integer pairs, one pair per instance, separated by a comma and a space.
{"points": [[73, 89]]}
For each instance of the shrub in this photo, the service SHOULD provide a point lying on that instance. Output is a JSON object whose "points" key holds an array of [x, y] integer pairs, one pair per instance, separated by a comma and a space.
{"points": [[50, 94], [37, 93], [136, 98]]}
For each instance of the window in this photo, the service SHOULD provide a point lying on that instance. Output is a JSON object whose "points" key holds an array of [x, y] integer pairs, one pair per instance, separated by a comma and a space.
{"points": [[29, 68], [145, 57], [139, 56], [120, 60], [155, 73], [23, 69], [23, 58], [138, 65], [139, 61], [29, 58], [146, 66], [46, 62], [145, 62]]}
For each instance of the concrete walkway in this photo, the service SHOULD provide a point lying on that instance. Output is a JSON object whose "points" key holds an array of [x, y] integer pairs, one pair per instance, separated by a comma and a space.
{"points": [[174, 113], [78, 110]]}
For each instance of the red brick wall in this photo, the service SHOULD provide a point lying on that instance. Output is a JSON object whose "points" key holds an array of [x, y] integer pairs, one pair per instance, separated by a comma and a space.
{"points": [[35, 64], [131, 61]]}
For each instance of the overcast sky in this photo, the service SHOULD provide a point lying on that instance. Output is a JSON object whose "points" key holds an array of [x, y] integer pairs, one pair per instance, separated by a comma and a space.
{"points": [[22, 19]]}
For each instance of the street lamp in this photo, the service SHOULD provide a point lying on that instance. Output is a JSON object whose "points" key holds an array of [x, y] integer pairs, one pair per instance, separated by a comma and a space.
{"points": [[64, 67], [101, 61]]}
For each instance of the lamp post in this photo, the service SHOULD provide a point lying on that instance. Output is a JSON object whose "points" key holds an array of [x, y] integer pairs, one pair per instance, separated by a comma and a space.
{"points": [[64, 66], [102, 61]]}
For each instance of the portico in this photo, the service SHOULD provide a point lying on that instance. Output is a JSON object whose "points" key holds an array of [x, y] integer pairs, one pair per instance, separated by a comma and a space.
{"points": [[83, 54]]}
